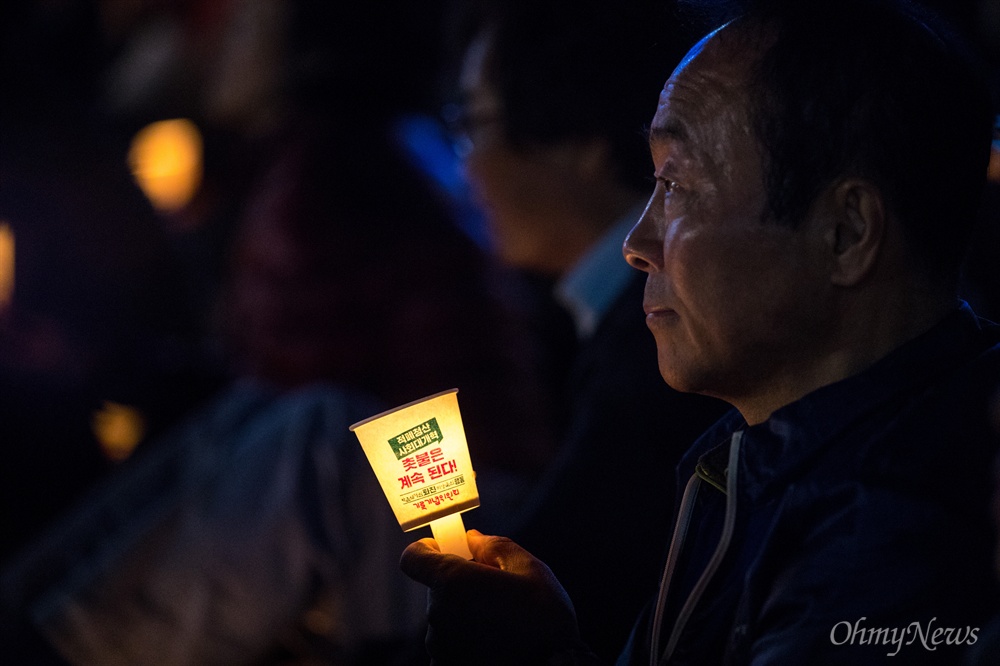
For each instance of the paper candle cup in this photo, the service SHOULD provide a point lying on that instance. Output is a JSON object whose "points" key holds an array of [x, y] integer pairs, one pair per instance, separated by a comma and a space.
{"points": [[421, 458]]}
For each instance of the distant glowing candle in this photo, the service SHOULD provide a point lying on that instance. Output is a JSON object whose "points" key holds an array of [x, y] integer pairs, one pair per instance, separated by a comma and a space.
{"points": [[119, 429], [421, 458], [6, 265], [166, 161]]}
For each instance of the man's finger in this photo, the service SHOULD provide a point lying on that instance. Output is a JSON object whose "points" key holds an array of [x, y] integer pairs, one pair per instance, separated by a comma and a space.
{"points": [[430, 543], [499, 552], [424, 562]]}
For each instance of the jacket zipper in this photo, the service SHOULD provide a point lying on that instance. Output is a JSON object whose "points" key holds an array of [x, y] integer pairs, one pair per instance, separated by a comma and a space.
{"points": [[677, 544]]}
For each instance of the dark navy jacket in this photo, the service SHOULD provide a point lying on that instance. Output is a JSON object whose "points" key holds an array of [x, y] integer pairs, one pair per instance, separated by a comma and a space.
{"points": [[860, 519]]}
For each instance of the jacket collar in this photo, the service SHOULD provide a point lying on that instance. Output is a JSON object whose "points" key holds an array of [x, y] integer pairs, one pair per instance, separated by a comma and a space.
{"points": [[776, 450]]}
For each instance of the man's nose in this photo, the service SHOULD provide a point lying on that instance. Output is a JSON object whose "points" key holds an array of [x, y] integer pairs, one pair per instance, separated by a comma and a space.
{"points": [[643, 248]]}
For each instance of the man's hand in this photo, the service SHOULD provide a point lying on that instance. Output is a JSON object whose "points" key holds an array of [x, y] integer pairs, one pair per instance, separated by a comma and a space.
{"points": [[505, 607]]}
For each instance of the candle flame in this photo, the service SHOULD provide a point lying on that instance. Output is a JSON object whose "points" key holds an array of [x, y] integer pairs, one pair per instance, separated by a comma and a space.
{"points": [[166, 161], [6, 266], [119, 429]]}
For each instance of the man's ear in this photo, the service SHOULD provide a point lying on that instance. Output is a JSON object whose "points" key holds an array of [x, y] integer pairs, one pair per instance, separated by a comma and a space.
{"points": [[857, 230]]}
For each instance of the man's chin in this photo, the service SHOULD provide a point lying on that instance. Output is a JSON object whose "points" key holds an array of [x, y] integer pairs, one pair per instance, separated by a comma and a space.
{"points": [[678, 381], [687, 380]]}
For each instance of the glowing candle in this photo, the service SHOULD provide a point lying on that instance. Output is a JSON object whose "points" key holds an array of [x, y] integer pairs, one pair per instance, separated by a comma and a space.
{"points": [[118, 429], [6, 265], [166, 161], [421, 458]]}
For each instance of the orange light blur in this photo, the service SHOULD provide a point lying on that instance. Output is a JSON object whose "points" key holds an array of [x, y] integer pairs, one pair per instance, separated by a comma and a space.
{"points": [[994, 169], [6, 266], [118, 429], [166, 159]]}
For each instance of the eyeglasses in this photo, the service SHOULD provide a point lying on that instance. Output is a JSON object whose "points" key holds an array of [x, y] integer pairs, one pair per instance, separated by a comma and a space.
{"points": [[468, 127]]}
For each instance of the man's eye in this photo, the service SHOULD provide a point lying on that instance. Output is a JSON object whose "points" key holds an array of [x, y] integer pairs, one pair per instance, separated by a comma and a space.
{"points": [[669, 185]]}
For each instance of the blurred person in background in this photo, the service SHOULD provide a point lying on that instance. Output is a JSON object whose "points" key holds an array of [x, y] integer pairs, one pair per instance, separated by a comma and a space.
{"points": [[550, 116], [254, 532]]}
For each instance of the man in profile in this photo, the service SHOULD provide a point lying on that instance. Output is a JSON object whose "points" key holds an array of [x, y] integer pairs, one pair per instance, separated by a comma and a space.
{"points": [[818, 166]]}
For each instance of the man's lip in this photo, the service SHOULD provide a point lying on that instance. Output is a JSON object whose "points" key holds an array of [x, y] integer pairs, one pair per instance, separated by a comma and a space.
{"points": [[655, 310]]}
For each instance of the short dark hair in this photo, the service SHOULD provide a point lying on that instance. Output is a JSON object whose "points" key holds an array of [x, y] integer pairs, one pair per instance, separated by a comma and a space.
{"points": [[589, 69], [879, 89]]}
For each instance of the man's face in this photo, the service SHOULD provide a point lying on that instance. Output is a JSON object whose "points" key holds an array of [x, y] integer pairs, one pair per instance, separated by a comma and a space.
{"points": [[734, 302]]}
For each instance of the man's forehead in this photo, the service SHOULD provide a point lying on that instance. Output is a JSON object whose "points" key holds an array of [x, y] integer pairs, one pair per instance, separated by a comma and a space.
{"points": [[696, 50], [667, 126], [710, 79], [668, 87]]}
